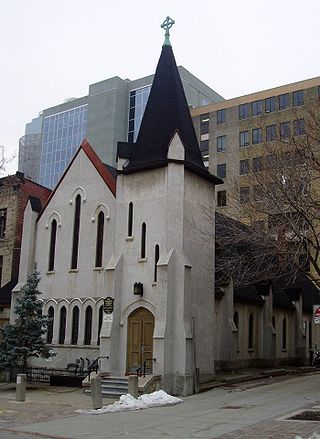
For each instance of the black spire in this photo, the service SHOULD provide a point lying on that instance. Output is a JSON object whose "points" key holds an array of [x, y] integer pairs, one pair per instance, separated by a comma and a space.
{"points": [[166, 113]]}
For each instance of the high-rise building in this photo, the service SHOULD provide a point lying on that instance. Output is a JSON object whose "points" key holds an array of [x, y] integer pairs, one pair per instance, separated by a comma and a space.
{"points": [[111, 112], [237, 132]]}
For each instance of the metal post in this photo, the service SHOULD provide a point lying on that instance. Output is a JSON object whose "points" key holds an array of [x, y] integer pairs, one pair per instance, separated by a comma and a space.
{"points": [[133, 386], [96, 394], [21, 387]]}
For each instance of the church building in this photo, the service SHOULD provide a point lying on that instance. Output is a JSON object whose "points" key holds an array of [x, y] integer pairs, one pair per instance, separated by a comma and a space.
{"points": [[126, 257]]}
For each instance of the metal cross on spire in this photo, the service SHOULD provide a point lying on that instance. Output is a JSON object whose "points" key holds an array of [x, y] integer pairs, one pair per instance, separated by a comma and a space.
{"points": [[167, 24]]}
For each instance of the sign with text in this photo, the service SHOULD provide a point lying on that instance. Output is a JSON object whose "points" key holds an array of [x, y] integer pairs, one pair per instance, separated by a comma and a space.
{"points": [[108, 305], [316, 314]]}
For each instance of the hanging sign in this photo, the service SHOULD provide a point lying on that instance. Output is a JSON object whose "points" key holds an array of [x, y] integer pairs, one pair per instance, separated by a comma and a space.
{"points": [[108, 305], [316, 314]]}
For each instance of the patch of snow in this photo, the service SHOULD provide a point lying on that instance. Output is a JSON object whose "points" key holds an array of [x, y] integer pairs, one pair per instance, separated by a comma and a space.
{"points": [[128, 402], [313, 436]]}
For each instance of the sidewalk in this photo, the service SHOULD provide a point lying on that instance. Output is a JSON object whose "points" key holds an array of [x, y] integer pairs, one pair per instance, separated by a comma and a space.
{"points": [[245, 410]]}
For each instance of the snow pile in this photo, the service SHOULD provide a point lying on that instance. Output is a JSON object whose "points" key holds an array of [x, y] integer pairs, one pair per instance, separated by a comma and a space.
{"points": [[313, 436], [128, 402]]}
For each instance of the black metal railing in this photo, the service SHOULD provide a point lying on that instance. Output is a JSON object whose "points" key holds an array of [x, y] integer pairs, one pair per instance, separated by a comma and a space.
{"points": [[144, 369], [43, 374]]}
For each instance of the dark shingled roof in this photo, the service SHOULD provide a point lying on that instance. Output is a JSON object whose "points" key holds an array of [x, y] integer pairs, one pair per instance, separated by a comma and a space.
{"points": [[6, 290], [166, 113]]}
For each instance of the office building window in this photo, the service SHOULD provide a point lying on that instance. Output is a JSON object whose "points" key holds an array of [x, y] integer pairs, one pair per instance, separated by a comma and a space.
{"points": [[204, 145], [62, 135], [284, 101], [244, 194], [256, 136], [270, 104], [52, 249], [243, 138], [137, 104], [256, 108], [257, 164], [244, 167], [271, 133], [244, 111], [221, 116], [204, 123], [298, 127], [298, 98], [222, 170], [3, 221], [221, 143], [285, 130], [76, 232], [221, 198]]}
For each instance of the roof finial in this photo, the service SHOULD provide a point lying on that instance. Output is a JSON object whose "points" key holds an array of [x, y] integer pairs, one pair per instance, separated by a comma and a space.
{"points": [[167, 24]]}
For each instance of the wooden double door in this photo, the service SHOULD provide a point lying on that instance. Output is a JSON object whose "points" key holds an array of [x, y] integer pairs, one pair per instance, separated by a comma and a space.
{"points": [[140, 340]]}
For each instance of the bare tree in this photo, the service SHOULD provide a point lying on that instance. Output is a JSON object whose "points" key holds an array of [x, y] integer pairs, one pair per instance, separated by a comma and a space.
{"points": [[278, 203], [4, 160]]}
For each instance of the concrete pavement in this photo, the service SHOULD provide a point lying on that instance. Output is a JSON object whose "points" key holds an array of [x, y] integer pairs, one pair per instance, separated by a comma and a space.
{"points": [[248, 410]]}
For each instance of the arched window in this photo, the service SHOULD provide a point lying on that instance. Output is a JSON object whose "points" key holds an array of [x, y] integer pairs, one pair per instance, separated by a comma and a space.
{"points": [[62, 327], [130, 219], [250, 333], [100, 323], [143, 240], [156, 259], [76, 231], [88, 325], [236, 319], [50, 325], [52, 248], [99, 243], [284, 333], [75, 325]]}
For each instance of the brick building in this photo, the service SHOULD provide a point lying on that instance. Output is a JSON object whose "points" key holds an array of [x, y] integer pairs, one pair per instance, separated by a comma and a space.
{"points": [[15, 190]]}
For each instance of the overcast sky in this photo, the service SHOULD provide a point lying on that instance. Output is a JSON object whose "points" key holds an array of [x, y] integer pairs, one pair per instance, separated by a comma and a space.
{"points": [[53, 50]]}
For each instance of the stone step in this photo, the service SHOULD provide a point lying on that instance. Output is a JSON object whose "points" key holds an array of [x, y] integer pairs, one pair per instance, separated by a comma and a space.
{"points": [[112, 387]]}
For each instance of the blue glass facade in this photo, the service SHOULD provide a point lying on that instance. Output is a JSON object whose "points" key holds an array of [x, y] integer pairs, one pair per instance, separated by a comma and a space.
{"points": [[138, 102], [62, 135]]}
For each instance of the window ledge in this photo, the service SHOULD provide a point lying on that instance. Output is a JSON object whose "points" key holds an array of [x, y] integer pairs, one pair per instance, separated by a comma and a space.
{"points": [[73, 270], [98, 269], [129, 238], [143, 260], [154, 284], [48, 273], [284, 350], [251, 350]]}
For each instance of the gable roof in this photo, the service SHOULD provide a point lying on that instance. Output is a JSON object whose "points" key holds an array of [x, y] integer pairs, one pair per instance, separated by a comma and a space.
{"points": [[102, 170], [166, 112], [6, 290]]}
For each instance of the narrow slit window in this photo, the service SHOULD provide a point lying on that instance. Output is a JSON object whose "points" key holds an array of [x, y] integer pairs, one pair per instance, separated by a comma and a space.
{"points": [[100, 323], [99, 243], [75, 325], [62, 328], [250, 335], [156, 259], [50, 325], [52, 251], [143, 240], [284, 334], [88, 326], [76, 231], [130, 219]]}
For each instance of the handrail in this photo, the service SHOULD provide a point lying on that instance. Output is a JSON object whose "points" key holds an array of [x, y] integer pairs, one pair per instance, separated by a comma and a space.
{"points": [[141, 371]]}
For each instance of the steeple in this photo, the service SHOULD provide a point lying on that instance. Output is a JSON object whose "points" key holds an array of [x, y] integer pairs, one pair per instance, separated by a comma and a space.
{"points": [[166, 113]]}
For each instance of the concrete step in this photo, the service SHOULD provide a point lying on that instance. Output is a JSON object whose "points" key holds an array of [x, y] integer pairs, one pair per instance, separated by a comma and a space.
{"points": [[112, 387]]}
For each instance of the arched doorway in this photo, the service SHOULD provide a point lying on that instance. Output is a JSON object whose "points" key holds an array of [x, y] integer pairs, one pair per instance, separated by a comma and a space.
{"points": [[140, 340]]}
